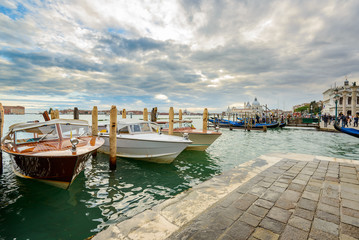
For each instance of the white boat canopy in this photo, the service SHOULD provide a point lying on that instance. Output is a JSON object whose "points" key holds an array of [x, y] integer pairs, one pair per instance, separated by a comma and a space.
{"points": [[22, 126]]}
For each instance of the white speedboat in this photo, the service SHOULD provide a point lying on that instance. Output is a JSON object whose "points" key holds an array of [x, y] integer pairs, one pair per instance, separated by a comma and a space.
{"points": [[201, 140], [136, 139]]}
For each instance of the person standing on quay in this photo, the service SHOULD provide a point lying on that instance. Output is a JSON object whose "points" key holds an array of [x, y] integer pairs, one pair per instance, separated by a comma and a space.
{"points": [[356, 120], [325, 120]]}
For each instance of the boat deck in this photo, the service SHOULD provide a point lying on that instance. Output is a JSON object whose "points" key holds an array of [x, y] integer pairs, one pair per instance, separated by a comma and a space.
{"points": [[286, 196]]}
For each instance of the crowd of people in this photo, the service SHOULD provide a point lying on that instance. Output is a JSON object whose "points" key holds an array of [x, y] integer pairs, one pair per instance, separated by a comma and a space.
{"points": [[345, 121]]}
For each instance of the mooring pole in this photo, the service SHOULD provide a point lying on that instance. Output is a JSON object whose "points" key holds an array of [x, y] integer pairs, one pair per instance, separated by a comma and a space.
{"points": [[76, 113], [94, 121], [180, 117], [46, 116], [205, 120], [113, 138], [52, 113], [170, 122], [124, 113], [1, 130], [57, 114], [94, 126], [145, 114]]}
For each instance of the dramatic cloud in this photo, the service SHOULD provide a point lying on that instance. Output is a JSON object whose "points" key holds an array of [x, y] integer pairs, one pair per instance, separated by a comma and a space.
{"points": [[186, 54]]}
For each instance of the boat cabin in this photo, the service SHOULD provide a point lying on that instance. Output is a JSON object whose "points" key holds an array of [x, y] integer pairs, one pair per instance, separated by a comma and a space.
{"points": [[128, 127], [32, 132]]}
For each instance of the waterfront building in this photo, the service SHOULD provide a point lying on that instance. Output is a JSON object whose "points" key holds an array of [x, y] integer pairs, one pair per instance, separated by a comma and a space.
{"points": [[252, 109], [19, 110], [347, 96]]}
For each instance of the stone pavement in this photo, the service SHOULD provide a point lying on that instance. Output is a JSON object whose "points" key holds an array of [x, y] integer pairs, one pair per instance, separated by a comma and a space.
{"points": [[283, 196]]}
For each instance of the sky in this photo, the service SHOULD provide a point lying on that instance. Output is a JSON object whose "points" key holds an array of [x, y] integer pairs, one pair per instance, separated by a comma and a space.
{"points": [[186, 54]]}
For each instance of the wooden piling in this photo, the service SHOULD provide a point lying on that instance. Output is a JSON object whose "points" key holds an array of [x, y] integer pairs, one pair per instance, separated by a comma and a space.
{"points": [[76, 113], [46, 116], [113, 139], [145, 114], [154, 114], [1, 131], [124, 113], [94, 121], [57, 114], [264, 128], [52, 113], [180, 117], [205, 120], [170, 122]]}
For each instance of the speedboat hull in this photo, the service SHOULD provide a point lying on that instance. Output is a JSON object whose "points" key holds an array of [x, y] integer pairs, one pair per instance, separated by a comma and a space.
{"points": [[200, 140], [147, 149], [57, 171]]}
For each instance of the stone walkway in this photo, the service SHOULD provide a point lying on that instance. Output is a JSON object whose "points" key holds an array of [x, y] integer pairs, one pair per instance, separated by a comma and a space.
{"points": [[282, 196]]}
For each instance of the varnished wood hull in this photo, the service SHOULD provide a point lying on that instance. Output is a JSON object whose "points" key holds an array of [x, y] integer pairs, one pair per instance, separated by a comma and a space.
{"points": [[57, 171]]}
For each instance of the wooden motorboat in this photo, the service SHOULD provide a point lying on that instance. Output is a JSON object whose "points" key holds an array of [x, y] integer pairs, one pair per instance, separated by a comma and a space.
{"points": [[54, 151], [201, 140], [350, 131], [137, 140]]}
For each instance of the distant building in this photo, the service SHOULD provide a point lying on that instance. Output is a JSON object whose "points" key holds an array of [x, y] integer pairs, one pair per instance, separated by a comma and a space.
{"points": [[255, 108], [18, 110], [347, 99]]}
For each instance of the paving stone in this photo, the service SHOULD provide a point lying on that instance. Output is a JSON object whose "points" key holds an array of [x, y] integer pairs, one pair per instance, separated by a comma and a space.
{"points": [[303, 177], [320, 235], [349, 180], [310, 195], [262, 233], [273, 225], [208, 233], [230, 198], [350, 170], [264, 184], [327, 216], [307, 204], [296, 187], [349, 187], [330, 201], [239, 230], [250, 219], [304, 213], [232, 212], [264, 203], [288, 199], [350, 212], [350, 204], [349, 230], [257, 191], [350, 220], [222, 237], [279, 184], [279, 214], [284, 180], [245, 201], [327, 208], [299, 181], [270, 195], [326, 226], [311, 188], [315, 182], [300, 223], [258, 211], [277, 189], [349, 195], [332, 179], [291, 233]]}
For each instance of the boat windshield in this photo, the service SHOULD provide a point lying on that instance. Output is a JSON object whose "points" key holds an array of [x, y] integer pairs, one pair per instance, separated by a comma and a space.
{"points": [[140, 128], [70, 131], [36, 134]]}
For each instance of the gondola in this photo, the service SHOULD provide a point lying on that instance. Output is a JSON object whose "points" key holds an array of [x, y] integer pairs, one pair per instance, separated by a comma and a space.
{"points": [[351, 131]]}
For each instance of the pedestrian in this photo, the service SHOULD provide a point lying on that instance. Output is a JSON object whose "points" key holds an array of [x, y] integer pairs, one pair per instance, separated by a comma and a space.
{"points": [[325, 120], [356, 118]]}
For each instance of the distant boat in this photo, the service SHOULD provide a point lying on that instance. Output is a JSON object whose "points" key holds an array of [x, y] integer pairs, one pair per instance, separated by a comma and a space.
{"points": [[242, 125], [200, 140], [350, 131], [54, 151], [137, 140]]}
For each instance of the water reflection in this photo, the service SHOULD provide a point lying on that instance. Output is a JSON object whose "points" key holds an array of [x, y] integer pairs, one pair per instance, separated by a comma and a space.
{"points": [[99, 197]]}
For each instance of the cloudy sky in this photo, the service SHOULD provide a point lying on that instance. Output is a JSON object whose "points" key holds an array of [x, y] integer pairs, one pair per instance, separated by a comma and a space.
{"points": [[187, 54]]}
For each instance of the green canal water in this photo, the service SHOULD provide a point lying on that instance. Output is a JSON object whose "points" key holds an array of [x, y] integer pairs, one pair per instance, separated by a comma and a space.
{"points": [[100, 197]]}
